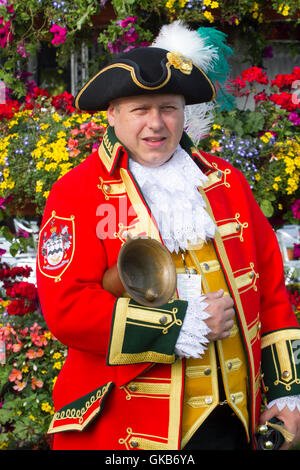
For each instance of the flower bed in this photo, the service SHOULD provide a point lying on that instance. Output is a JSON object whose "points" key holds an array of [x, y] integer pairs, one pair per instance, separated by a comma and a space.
{"points": [[264, 142], [30, 359], [40, 141]]}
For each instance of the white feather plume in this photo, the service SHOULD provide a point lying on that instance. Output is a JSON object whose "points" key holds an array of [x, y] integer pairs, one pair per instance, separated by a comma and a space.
{"points": [[198, 119], [177, 37]]}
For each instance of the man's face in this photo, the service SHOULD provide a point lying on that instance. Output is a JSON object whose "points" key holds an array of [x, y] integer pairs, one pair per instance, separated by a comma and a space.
{"points": [[150, 126]]}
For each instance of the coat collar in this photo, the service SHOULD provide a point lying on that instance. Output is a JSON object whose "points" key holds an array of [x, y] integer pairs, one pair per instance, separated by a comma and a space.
{"points": [[113, 153]]}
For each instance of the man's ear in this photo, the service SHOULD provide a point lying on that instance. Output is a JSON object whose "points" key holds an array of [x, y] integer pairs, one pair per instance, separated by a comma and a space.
{"points": [[111, 114]]}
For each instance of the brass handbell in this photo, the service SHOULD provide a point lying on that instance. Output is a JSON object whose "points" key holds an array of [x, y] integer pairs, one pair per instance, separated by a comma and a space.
{"points": [[145, 270]]}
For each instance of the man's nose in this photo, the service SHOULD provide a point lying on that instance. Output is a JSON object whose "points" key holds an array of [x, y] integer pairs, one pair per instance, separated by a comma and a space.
{"points": [[155, 120]]}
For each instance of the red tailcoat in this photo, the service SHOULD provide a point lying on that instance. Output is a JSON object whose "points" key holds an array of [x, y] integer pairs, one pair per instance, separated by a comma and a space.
{"points": [[89, 213]]}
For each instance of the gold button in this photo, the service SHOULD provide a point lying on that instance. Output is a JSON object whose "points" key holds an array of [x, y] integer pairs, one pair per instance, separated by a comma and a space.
{"points": [[233, 398], [107, 188], [163, 320], [207, 371], [262, 429], [285, 374], [251, 274], [238, 227], [206, 266], [268, 445], [134, 444], [133, 388], [229, 365], [219, 174], [208, 400]]}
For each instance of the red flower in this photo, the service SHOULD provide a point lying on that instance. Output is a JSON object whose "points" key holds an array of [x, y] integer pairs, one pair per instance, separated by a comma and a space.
{"points": [[63, 102], [255, 74], [8, 109], [261, 97], [284, 100], [286, 80]]}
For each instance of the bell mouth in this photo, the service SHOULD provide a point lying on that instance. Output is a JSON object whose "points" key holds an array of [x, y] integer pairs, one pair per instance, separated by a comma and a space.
{"points": [[147, 271]]}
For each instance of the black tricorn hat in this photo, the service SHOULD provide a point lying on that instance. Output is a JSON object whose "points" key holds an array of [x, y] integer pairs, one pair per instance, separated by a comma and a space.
{"points": [[145, 70]]}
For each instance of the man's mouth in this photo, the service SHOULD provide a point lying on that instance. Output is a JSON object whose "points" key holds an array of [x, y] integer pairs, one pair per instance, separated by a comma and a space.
{"points": [[154, 140]]}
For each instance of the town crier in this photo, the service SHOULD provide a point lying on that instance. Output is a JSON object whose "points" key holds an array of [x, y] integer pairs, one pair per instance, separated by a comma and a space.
{"points": [[190, 373]]}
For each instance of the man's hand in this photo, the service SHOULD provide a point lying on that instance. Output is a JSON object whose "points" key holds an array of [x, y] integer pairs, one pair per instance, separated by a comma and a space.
{"points": [[290, 419], [221, 311]]}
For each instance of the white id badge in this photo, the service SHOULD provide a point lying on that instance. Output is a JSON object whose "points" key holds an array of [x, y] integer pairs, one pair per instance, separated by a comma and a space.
{"points": [[188, 286]]}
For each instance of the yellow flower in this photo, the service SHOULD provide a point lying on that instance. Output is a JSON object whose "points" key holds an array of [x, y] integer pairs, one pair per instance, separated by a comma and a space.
{"points": [[57, 355], [47, 408], [57, 365], [25, 369], [56, 117], [275, 186], [216, 126], [207, 3], [32, 417], [44, 126], [209, 16], [61, 134], [40, 164], [280, 207], [278, 178], [264, 139], [48, 335], [257, 177], [46, 194], [214, 5], [39, 186]]}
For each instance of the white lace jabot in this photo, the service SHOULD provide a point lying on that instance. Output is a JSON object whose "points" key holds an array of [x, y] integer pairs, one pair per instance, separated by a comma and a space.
{"points": [[171, 193]]}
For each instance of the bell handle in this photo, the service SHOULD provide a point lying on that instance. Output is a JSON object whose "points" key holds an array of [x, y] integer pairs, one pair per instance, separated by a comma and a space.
{"points": [[112, 283]]}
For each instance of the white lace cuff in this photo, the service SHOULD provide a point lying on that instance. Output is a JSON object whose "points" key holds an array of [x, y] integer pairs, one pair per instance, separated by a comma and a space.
{"points": [[292, 402], [192, 338]]}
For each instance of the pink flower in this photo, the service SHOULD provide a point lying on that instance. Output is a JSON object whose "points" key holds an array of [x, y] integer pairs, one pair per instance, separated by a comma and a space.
{"points": [[296, 209], [15, 375], [294, 118], [6, 36], [36, 383], [16, 347], [60, 34], [19, 386], [127, 21], [130, 36], [22, 50]]}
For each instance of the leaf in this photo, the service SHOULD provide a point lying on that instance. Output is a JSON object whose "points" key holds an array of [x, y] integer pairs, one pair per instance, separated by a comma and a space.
{"points": [[254, 123], [14, 248], [267, 207]]}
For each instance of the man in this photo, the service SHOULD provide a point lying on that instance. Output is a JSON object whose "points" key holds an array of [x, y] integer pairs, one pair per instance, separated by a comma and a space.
{"points": [[187, 374]]}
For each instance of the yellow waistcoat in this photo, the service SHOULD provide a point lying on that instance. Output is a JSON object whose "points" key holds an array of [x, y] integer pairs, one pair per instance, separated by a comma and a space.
{"points": [[201, 393]]}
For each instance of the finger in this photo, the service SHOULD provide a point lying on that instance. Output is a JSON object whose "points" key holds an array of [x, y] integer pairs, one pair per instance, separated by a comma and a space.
{"points": [[215, 295]]}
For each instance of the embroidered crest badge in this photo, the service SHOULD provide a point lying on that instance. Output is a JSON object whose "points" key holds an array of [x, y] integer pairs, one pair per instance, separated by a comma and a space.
{"points": [[56, 246]]}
